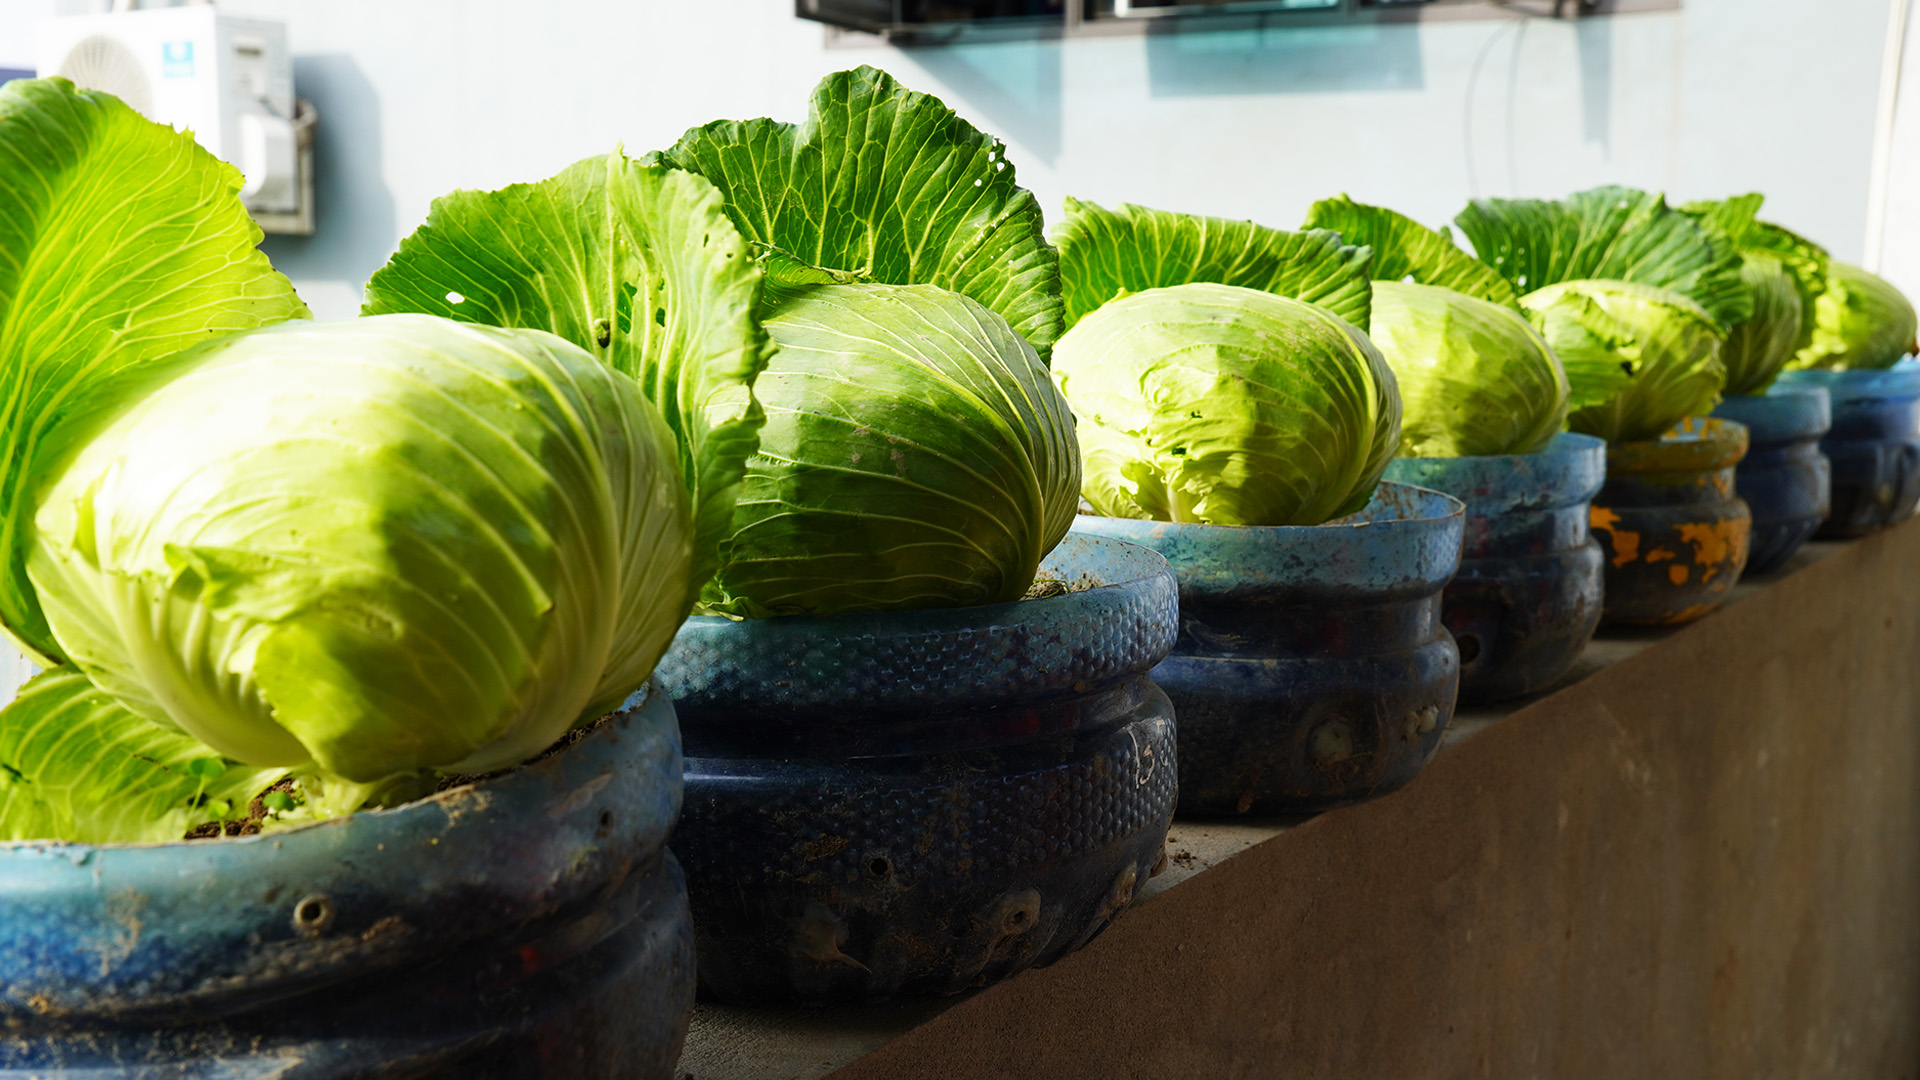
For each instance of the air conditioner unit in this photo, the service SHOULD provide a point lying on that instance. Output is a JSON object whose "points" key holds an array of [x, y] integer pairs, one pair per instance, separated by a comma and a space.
{"points": [[227, 79]]}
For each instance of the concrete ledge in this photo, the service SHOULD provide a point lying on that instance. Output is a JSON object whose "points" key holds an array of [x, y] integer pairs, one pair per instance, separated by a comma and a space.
{"points": [[1699, 858]]}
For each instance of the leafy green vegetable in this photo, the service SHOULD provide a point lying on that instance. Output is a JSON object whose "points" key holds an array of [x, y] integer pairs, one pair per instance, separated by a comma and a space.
{"points": [[637, 264], [121, 242], [1666, 347], [1106, 254], [916, 454], [1757, 349], [1227, 405], [1612, 234], [1405, 250], [1861, 322], [388, 545], [1475, 378], [76, 765], [1786, 275], [886, 185]]}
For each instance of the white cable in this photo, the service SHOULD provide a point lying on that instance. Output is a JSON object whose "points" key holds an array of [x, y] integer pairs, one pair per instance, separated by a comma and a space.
{"points": [[1881, 178]]}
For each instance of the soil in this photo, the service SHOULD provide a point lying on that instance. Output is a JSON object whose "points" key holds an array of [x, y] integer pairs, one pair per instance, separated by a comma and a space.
{"points": [[257, 810]]}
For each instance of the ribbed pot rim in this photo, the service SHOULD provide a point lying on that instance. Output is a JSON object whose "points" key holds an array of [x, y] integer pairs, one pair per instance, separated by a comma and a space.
{"points": [[1406, 541], [1696, 444], [1783, 414], [1900, 380], [543, 837], [1119, 619], [1569, 471]]}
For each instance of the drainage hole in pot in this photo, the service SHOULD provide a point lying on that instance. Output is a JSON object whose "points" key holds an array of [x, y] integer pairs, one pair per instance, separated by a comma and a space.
{"points": [[313, 914], [1469, 647], [879, 866]]}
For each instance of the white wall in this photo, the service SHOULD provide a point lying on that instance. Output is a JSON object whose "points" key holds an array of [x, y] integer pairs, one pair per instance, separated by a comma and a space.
{"points": [[421, 96]]}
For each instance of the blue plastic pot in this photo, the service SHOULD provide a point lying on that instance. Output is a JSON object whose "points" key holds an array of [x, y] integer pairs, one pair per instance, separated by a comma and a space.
{"points": [[1672, 531], [1874, 445], [1527, 598], [1312, 668], [528, 925], [921, 802], [1785, 480]]}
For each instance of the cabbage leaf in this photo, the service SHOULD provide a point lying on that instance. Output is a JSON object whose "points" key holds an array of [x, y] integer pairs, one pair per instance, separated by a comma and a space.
{"points": [[1225, 405], [1862, 322], [77, 765], [122, 242], [1667, 347], [1106, 254], [887, 185], [1612, 234], [636, 263], [1405, 250], [916, 454]]}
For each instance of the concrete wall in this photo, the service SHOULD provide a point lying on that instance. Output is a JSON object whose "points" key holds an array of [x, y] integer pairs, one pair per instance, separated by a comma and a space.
{"points": [[423, 96]]}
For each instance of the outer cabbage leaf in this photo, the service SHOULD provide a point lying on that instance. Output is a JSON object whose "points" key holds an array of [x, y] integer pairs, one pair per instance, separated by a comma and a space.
{"points": [[121, 242], [916, 454], [1105, 254], [1405, 250], [891, 186], [75, 765], [387, 545], [1667, 346], [1609, 233], [1227, 406], [1475, 378], [1861, 322], [637, 264], [1752, 353], [1757, 349]]}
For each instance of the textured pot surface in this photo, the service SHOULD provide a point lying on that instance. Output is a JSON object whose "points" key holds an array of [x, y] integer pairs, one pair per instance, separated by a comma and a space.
{"points": [[1874, 445], [1527, 597], [921, 802], [528, 925], [1312, 668], [1785, 480], [1672, 530]]}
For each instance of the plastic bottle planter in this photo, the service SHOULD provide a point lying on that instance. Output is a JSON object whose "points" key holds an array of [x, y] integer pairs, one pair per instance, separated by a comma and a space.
{"points": [[1874, 445], [1784, 479], [1527, 597], [1312, 669], [530, 925], [1673, 532], [921, 802]]}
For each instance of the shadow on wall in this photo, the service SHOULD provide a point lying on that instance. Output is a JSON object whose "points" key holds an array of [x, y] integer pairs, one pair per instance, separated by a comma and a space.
{"points": [[354, 216], [1014, 90], [1595, 40], [1286, 60]]}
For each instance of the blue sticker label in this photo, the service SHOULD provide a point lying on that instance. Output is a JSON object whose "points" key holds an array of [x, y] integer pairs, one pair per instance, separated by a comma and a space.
{"points": [[176, 59]]}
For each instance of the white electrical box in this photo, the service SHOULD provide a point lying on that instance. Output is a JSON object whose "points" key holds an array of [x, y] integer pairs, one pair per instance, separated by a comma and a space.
{"points": [[227, 79]]}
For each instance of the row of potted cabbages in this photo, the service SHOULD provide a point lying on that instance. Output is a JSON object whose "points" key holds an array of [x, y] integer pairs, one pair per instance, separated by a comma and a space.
{"points": [[367, 643]]}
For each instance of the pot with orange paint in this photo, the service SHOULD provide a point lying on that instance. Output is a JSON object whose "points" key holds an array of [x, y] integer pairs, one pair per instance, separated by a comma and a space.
{"points": [[1674, 534]]}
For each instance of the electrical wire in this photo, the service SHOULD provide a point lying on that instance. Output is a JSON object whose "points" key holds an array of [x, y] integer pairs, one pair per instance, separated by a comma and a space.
{"points": [[1473, 83]]}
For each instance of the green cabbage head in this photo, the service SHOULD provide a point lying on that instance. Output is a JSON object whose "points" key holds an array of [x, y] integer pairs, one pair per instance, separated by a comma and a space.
{"points": [[915, 454], [1860, 323], [1475, 378], [1226, 405], [1666, 346], [396, 543], [1758, 348]]}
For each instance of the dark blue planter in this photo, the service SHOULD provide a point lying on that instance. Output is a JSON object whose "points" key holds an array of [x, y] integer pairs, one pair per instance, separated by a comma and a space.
{"points": [[920, 802], [1527, 598], [1312, 668], [1785, 480], [529, 925], [1874, 445]]}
